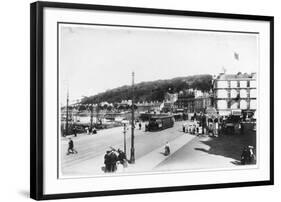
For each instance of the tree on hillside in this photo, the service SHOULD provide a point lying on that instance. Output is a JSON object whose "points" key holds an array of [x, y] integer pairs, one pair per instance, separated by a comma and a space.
{"points": [[152, 90]]}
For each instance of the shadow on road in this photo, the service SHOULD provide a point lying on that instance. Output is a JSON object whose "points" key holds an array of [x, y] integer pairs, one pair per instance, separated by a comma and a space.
{"points": [[229, 145]]}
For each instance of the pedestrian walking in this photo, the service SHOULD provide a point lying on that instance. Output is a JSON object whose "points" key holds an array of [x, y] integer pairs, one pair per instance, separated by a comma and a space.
{"points": [[71, 149], [75, 131], [183, 127], [139, 125]]}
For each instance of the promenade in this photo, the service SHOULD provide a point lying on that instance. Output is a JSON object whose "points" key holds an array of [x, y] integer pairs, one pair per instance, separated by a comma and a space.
{"points": [[188, 152]]}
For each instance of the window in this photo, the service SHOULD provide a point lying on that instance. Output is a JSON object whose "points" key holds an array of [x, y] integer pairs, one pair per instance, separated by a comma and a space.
{"points": [[243, 84], [229, 104], [234, 105], [222, 94], [253, 84], [222, 84], [233, 84], [243, 104], [233, 93], [222, 104], [243, 93], [253, 104], [253, 93]]}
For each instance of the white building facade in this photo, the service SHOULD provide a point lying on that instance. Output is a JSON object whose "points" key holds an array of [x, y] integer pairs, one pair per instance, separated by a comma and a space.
{"points": [[235, 92]]}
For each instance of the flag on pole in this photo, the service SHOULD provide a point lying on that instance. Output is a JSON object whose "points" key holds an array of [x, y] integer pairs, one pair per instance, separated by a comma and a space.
{"points": [[236, 56]]}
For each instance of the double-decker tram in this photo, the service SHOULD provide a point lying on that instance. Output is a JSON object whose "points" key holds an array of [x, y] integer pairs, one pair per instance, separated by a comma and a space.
{"points": [[160, 122]]}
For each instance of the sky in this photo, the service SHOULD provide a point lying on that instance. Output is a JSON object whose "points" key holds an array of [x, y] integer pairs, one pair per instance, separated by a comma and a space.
{"points": [[93, 59]]}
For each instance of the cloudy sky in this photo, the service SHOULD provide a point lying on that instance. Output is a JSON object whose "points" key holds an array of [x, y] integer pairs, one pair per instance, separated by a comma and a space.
{"points": [[97, 58]]}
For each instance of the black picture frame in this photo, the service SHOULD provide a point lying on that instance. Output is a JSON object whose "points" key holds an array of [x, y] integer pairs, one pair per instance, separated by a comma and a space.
{"points": [[37, 101]]}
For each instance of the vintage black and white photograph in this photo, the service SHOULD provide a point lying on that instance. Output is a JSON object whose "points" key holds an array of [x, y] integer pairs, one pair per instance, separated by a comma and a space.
{"points": [[128, 100], [143, 100]]}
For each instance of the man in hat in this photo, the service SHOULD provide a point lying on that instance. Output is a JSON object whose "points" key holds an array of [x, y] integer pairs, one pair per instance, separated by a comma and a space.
{"points": [[113, 160], [107, 161]]}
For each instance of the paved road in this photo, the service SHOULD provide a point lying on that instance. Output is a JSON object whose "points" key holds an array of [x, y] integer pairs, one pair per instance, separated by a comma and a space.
{"points": [[91, 147], [196, 155], [188, 152]]}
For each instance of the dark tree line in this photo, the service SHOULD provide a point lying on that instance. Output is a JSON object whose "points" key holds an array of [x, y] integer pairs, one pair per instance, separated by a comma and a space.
{"points": [[154, 90]]}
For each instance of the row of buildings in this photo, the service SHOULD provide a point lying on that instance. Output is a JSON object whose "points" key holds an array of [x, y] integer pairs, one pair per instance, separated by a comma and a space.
{"points": [[230, 93]]}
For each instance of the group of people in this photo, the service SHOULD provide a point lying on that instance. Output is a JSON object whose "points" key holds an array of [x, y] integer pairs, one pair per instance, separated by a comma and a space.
{"points": [[192, 128], [248, 155], [115, 160], [213, 129], [196, 128], [91, 131]]}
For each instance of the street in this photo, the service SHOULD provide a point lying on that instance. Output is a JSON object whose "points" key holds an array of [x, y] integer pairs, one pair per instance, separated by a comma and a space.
{"points": [[187, 151]]}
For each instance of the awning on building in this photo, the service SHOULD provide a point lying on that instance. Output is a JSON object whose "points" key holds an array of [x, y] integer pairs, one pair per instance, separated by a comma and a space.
{"points": [[236, 112]]}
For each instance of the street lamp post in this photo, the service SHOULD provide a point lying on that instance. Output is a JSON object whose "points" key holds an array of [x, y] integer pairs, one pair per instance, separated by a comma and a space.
{"points": [[125, 149], [67, 100], [132, 159]]}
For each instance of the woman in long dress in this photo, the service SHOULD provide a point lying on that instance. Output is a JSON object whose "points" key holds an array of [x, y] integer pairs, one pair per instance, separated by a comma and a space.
{"points": [[120, 167]]}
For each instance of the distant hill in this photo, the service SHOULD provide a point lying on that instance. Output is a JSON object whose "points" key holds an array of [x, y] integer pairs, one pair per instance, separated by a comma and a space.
{"points": [[152, 90]]}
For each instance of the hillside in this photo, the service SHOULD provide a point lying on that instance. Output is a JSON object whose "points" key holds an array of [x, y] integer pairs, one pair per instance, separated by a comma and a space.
{"points": [[152, 90]]}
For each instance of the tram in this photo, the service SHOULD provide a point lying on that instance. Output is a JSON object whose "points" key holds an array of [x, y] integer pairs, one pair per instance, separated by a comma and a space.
{"points": [[160, 122]]}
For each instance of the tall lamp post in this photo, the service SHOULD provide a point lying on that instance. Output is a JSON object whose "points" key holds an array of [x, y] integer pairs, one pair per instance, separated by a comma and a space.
{"points": [[124, 131], [132, 159], [67, 100]]}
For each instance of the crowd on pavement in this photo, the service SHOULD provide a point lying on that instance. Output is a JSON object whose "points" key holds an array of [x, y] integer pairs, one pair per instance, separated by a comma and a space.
{"points": [[115, 161]]}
